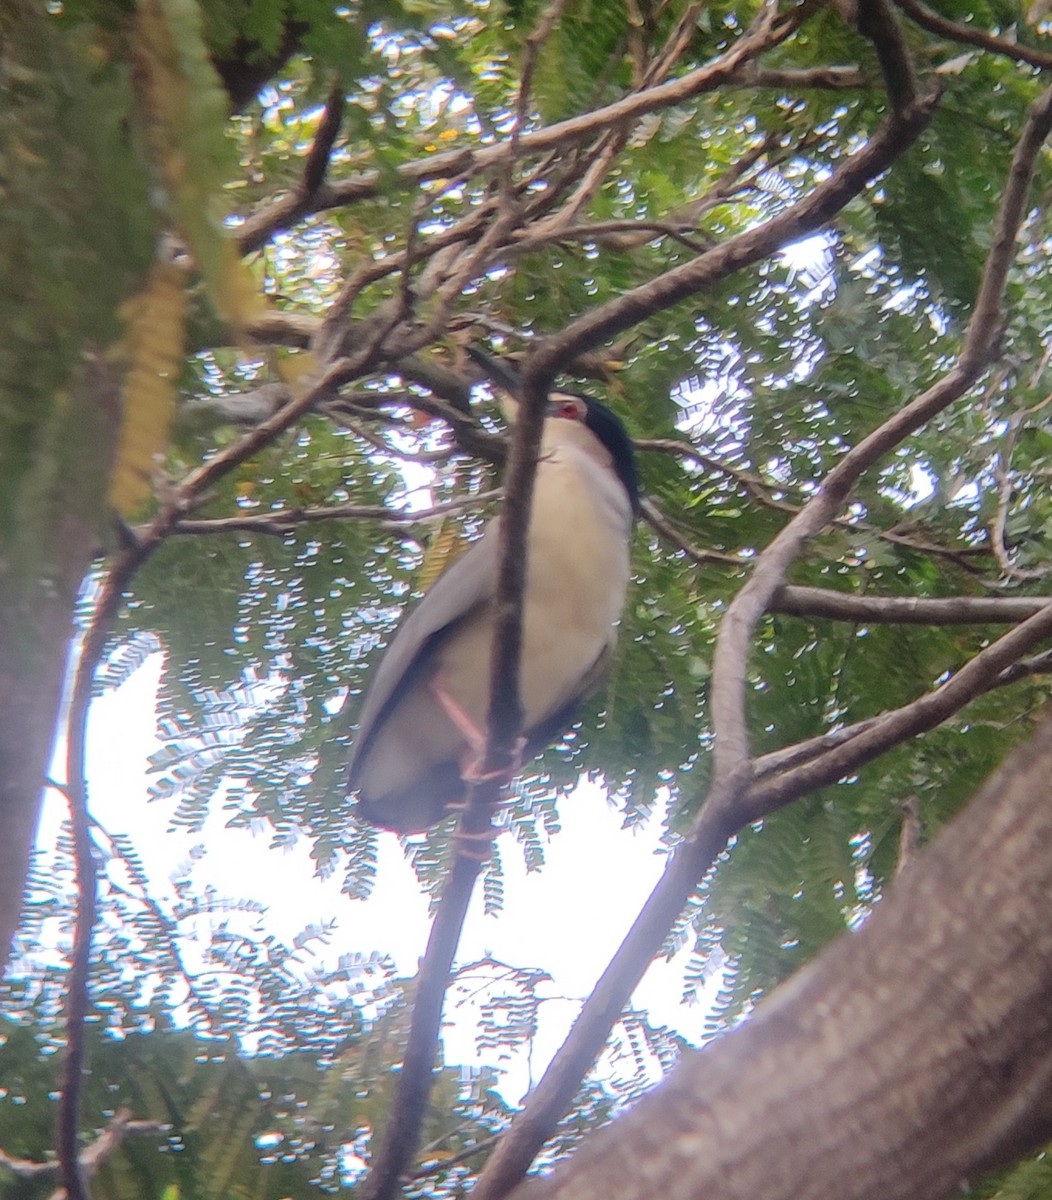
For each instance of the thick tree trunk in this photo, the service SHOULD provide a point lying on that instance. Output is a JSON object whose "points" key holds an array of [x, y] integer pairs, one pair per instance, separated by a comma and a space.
{"points": [[43, 562], [910, 1057]]}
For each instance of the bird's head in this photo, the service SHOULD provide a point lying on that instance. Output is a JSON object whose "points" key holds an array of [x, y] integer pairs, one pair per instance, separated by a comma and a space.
{"points": [[604, 424]]}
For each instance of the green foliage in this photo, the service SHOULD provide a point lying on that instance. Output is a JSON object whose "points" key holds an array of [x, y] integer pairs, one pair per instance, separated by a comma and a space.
{"points": [[225, 1125]]}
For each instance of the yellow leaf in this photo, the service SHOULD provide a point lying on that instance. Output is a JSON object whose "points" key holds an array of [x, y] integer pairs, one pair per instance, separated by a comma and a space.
{"points": [[183, 117], [295, 368], [153, 347], [447, 544]]}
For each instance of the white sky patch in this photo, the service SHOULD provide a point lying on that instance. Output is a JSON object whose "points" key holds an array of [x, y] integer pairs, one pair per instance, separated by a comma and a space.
{"points": [[567, 919]]}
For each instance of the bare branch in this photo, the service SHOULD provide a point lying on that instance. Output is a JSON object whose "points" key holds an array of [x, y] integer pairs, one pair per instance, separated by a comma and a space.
{"points": [[535, 40], [877, 21], [904, 610], [554, 1094], [970, 36], [282, 521], [779, 761], [317, 164], [504, 720], [405, 1120], [977, 675], [998, 533], [607, 320]]}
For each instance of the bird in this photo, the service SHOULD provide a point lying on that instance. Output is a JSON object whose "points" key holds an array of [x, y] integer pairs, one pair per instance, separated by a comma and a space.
{"points": [[421, 730]]}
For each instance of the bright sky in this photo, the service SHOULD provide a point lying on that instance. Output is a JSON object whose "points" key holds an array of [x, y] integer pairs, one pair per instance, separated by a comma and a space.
{"points": [[567, 919]]}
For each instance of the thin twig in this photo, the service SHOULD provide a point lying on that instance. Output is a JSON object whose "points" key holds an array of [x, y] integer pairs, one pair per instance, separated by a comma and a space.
{"points": [[443, 1164], [998, 525], [280, 522], [281, 213], [657, 520]]}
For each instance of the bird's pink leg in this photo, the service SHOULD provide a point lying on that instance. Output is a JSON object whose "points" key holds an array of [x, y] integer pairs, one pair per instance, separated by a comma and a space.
{"points": [[471, 769], [473, 845]]}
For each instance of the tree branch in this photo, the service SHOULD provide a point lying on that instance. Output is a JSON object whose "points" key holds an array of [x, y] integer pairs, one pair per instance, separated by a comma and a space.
{"points": [[504, 720], [796, 601], [279, 214], [912, 1055], [282, 521], [728, 695], [401, 1135], [923, 16], [977, 675], [607, 320], [726, 809], [92, 1156]]}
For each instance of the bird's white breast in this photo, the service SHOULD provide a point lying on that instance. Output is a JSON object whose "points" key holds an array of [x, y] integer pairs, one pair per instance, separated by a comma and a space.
{"points": [[576, 577]]}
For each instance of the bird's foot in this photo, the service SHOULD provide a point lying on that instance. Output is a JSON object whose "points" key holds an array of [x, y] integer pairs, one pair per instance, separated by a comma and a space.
{"points": [[471, 769], [472, 772]]}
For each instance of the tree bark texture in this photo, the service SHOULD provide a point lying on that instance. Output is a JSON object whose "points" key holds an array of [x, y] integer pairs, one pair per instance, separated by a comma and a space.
{"points": [[43, 563], [910, 1057]]}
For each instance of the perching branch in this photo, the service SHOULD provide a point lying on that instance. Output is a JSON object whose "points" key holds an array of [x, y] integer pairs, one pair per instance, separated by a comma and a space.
{"points": [[401, 1135]]}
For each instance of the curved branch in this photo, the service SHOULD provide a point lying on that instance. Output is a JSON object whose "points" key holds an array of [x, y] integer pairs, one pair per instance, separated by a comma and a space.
{"points": [[934, 23], [980, 341], [607, 320]]}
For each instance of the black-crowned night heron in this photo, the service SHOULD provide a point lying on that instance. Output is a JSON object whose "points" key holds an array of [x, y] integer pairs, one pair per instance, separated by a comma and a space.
{"points": [[422, 724]]}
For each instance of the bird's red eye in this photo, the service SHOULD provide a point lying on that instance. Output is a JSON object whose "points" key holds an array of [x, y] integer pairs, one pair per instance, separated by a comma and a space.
{"points": [[567, 409]]}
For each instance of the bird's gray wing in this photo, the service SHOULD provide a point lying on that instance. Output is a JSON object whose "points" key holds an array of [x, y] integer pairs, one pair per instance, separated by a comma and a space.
{"points": [[461, 589]]}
